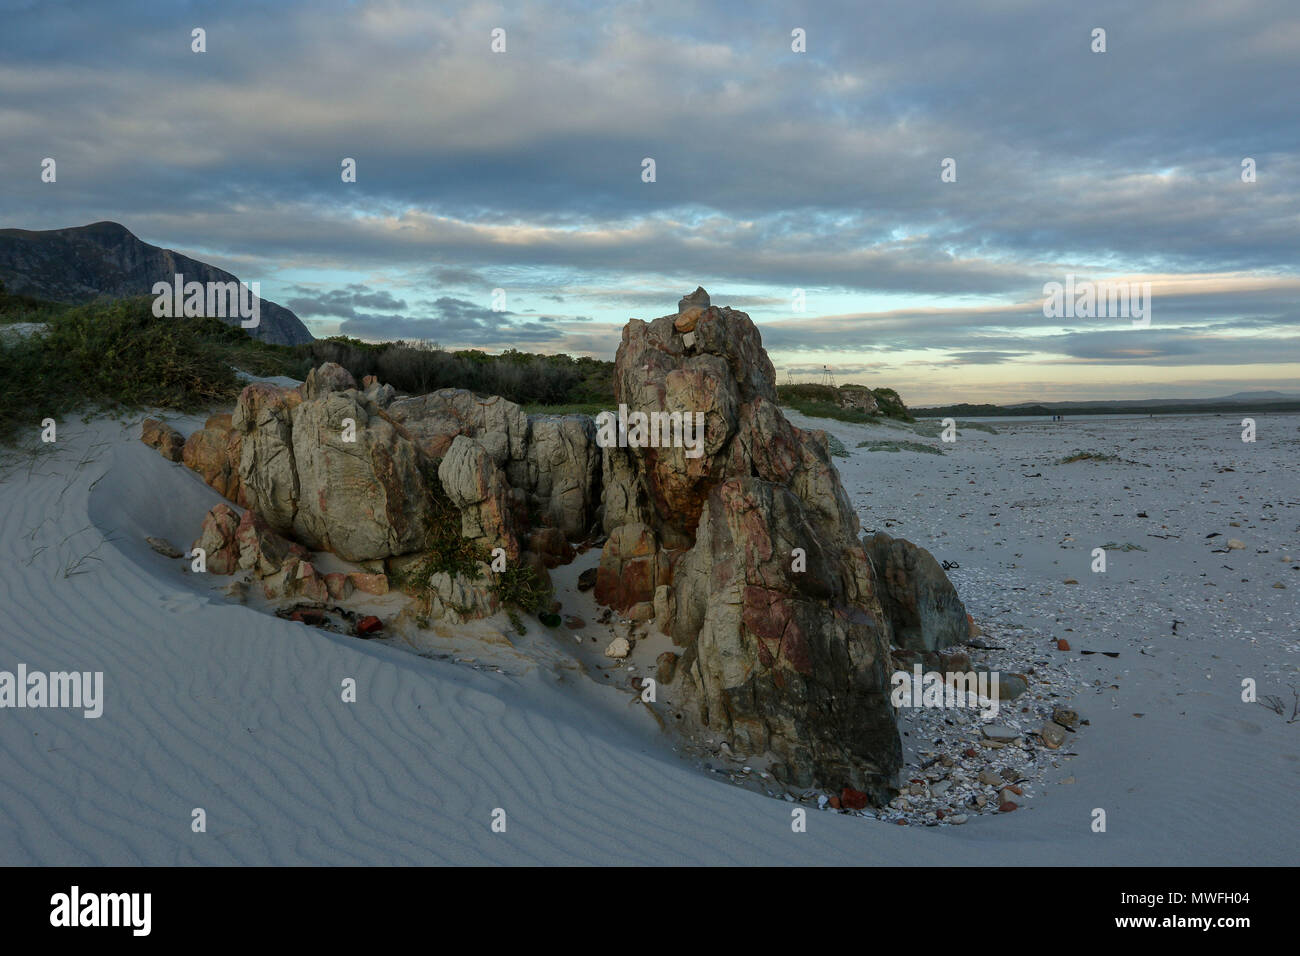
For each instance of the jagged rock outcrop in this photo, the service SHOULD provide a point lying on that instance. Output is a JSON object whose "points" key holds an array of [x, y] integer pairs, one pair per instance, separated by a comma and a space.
{"points": [[370, 477], [916, 596], [745, 542]]}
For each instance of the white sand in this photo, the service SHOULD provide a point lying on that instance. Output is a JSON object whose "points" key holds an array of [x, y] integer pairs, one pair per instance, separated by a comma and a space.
{"points": [[214, 705]]}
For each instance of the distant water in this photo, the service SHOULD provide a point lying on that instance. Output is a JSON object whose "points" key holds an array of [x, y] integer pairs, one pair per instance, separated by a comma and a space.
{"points": [[1047, 419]]}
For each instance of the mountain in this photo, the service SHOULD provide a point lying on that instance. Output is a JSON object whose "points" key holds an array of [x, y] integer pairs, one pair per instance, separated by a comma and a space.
{"points": [[105, 261]]}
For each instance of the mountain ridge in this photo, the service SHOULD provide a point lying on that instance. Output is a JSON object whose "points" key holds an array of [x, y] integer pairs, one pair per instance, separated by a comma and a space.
{"points": [[105, 260]]}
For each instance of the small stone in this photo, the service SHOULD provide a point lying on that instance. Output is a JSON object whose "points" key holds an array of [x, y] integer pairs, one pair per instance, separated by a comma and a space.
{"points": [[587, 579], [1007, 806], [666, 667], [1236, 544], [688, 319], [1279, 585], [853, 799], [1065, 717], [1071, 581], [369, 625], [164, 547], [1062, 645], [370, 583], [644, 611], [989, 778], [618, 648], [834, 802], [999, 732], [957, 819], [1052, 734], [574, 623]]}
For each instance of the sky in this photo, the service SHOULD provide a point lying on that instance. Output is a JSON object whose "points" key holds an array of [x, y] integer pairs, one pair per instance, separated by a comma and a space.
{"points": [[805, 188]]}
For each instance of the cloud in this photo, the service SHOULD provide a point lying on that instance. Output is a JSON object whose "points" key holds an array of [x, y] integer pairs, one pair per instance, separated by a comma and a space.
{"points": [[343, 303]]}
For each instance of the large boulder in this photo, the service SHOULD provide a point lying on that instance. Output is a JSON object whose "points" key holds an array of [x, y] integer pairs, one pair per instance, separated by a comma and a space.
{"points": [[268, 474], [561, 472], [330, 377], [793, 662], [740, 533], [332, 468], [362, 493], [916, 595], [478, 488]]}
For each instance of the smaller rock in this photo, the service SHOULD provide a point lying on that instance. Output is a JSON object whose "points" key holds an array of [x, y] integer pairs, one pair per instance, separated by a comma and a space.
{"points": [[1062, 645], [666, 667], [989, 778], [370, 583], [166, 440], [587, 579], [697, 299], [1236, 544], [1000, 732], [1052, 735], [643, 611], [957, 819], [1007, 806], [574, 623], [369, 625], [852, 799], [1071, 581], [618, 648], [164, 547], [1065, 717], [338, 585]]}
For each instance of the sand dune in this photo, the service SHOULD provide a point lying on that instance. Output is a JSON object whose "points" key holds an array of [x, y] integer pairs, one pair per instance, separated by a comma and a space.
{"points": [[211, 704]]}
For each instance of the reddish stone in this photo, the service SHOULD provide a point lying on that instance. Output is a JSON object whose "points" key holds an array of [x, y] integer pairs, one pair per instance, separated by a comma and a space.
{"points": [[853, 799], [308, 616], [370, 583], [369, 625], [1062, 645], [166, 440], [1007, 807], [835, 803]]}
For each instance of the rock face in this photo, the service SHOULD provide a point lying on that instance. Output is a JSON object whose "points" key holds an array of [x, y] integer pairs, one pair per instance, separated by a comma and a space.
{"points": [[105, 261], [214, 452], [368, 476], [747, 547], [917, 597]]}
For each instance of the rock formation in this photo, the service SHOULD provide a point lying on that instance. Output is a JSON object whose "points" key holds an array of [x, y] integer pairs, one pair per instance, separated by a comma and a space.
{"points": [[749, 553], [366, 475], [725, 526], [917, 597]]}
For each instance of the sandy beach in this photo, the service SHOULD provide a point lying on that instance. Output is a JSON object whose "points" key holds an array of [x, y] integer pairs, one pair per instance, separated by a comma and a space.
{"points": [[215, 705]]}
